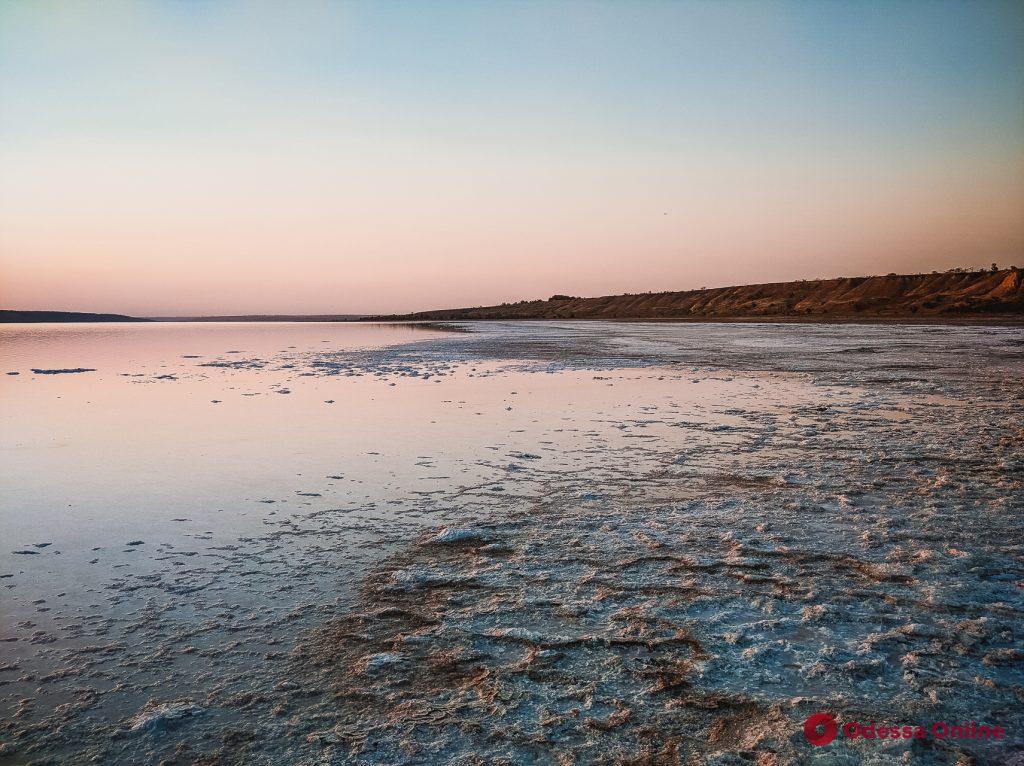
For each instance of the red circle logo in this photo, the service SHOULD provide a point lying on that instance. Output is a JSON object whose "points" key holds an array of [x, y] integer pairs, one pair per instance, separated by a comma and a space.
{"points": [[820, 728]]}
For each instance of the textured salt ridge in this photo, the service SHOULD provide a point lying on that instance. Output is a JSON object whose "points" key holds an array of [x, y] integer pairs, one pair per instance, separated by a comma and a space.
{"points": [[631, 632]]}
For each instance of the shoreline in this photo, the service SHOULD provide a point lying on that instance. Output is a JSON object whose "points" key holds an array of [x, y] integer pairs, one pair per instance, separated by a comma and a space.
{"points": [[994, 320]]}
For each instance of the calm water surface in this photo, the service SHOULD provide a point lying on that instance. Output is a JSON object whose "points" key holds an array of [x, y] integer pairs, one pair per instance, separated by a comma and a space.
{"points": [[91, 455]]}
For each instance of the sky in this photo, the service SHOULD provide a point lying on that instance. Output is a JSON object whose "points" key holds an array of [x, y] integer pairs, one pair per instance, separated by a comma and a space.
{"points": [[204, 157]]}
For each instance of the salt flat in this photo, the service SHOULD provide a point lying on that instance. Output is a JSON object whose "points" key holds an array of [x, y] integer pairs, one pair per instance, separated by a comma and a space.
{"points": [[577, 542]]}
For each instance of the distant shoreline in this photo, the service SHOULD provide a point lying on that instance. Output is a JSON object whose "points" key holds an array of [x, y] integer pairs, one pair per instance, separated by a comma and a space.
{"points": [[994, 320], [264, 318], [36, 317], [952, 297], [975, 320]]}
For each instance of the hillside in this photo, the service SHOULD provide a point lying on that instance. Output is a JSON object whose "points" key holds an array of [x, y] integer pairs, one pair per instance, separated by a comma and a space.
{"points": [[948, 294], [7, 316]]}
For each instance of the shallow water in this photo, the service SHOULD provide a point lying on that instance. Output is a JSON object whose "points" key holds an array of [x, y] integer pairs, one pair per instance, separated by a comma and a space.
{"points": [[185, 520]]}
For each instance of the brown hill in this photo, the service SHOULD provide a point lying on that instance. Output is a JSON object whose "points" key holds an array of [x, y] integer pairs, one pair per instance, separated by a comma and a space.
{"points": [[949, 294]]}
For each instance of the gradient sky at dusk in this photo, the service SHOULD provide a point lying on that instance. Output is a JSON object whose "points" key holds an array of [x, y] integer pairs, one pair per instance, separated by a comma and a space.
{"points": [[210, 157]]}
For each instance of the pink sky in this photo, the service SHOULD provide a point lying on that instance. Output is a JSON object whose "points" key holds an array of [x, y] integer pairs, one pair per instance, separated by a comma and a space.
{"points": [[354, 159]]}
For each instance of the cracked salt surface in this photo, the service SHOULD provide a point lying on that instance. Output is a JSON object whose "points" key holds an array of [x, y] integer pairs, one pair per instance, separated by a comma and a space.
{"points": [[678, 543]]}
